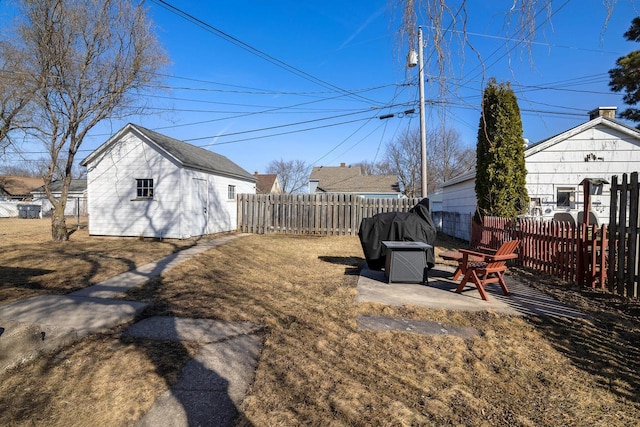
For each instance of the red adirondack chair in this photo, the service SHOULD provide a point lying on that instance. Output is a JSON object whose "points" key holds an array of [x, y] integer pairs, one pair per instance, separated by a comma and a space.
{"points": [[490, 270]]}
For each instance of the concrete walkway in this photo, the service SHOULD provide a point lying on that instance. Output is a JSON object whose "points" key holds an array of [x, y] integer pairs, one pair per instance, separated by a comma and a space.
{"points": [[212, 384]]}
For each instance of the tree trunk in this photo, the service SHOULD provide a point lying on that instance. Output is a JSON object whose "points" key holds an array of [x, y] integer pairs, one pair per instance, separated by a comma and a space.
{"points": [[58, 226]]}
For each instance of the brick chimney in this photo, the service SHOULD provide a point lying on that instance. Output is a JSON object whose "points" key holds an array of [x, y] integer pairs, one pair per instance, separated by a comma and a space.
{"points": [[606, 112]]}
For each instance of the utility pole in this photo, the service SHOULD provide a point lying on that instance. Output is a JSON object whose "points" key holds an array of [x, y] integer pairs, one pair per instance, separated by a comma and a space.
{"points": [[412, 61], [423, 126]]}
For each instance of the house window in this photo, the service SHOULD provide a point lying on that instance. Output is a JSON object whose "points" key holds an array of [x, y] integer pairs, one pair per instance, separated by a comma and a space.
{"points": [[144, 188], [231, 193], [565, 196]]}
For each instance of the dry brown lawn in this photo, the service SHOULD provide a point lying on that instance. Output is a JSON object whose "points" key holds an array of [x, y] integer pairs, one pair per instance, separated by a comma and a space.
{"points": [[31, 264], [318, 368]]}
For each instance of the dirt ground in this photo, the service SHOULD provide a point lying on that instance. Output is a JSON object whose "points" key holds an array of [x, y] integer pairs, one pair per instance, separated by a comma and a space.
{"points": [[317, 367]]}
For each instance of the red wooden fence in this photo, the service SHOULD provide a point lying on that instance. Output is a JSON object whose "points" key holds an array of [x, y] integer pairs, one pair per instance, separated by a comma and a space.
{"points": [[572, 253]]}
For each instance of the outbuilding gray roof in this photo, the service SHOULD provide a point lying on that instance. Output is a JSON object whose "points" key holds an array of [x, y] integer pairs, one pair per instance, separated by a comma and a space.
{"points": [[186, 154], [195, 157]]}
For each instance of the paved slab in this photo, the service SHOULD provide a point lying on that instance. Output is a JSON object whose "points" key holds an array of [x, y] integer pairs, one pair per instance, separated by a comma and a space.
{"points": [[212, 384], [167, 328], [47, 322], [383, 323], [439, 292]]}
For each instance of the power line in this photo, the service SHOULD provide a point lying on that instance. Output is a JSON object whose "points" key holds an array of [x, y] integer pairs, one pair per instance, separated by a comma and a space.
{"points": [[275, 134], [259, 53]]}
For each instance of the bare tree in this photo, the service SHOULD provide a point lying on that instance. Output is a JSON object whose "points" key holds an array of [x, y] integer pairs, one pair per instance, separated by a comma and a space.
{"points": [[378, 168], [404, 156], [446, 159], [89, 59], [445, 33], [16, 92], [14, 170], [292, 174]]}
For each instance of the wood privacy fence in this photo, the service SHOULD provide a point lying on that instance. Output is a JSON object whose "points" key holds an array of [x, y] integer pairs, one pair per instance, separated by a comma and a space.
{"points": [[324, 214], [623, 256]]}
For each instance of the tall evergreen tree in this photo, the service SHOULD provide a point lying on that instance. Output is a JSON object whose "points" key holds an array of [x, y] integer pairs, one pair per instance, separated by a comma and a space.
{"points": [[626, 76], [500, 168]]}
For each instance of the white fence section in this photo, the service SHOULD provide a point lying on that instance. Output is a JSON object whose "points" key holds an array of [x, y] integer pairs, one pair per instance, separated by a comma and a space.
{"points": [[76, 206], [9, 209]]}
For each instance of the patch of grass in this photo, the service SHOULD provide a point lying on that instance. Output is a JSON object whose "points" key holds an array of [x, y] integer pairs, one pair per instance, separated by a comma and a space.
{"points": [[31, 264], [101, 381], [318, 368]]}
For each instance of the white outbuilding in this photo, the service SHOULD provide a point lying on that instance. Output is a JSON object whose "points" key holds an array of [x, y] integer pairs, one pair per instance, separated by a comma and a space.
{"points": [[144, 184]]}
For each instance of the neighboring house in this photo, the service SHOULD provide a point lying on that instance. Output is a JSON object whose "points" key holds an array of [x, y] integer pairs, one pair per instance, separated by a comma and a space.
{"points": [[267, 183], [597, 149], [76, 197], [348, 179], [18, 188], [458, 206], [435, 201], [143, 183], [435, 207]]}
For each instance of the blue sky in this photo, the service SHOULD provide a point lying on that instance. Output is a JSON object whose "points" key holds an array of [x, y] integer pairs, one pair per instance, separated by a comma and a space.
{"points": [[326, 71]]}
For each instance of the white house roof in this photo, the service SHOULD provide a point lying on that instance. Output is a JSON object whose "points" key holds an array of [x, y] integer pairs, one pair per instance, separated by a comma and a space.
{"points": [[187, 155], [460, 178], [549, 142], [613, 124]]}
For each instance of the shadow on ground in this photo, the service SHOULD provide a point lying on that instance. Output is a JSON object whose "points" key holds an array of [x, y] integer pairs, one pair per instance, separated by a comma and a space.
{"points": [[211, 354], [352, 264], [607, 345]]}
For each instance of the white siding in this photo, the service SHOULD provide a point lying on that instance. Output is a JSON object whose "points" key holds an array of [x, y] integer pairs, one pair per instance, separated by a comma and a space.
{"points": [[458, 206], [9, 209], [597, 152], [459, 197], [114, 209], [222, 213], [76, 203]]}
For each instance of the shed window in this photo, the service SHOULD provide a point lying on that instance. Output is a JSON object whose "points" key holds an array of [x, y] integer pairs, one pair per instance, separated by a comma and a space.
{"points": [[231, 193], [144, 188], [565, 196]]}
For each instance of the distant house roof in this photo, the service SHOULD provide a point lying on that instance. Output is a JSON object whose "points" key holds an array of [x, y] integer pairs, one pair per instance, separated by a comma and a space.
{"points": [[267, 183], [187, 155], [76, 186], [349, 179], [18, 186]]}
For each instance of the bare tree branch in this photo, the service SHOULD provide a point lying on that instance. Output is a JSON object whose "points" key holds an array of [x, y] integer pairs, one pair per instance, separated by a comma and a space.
{"points": [[292, 174], [88, 60]]}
